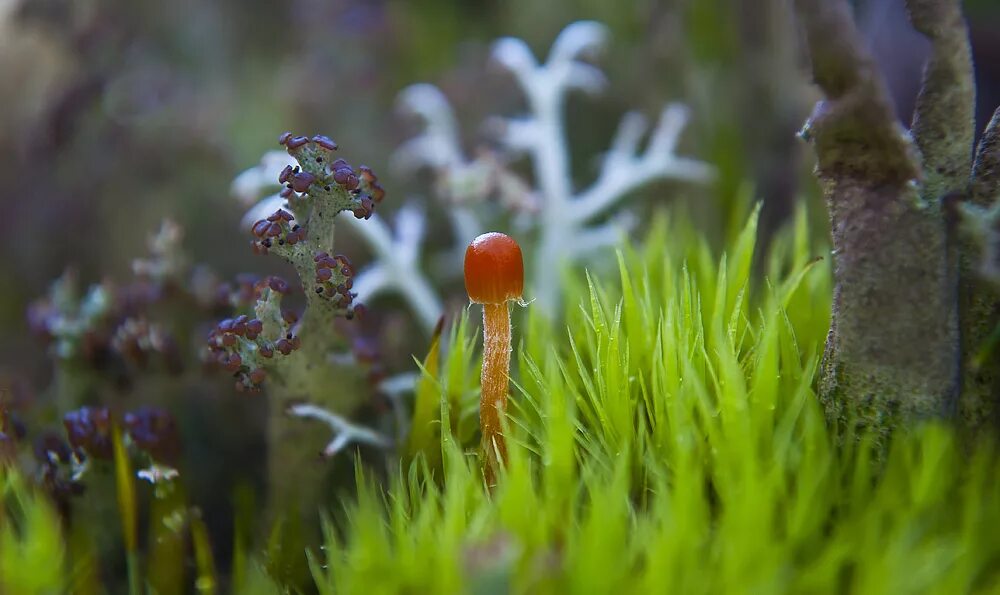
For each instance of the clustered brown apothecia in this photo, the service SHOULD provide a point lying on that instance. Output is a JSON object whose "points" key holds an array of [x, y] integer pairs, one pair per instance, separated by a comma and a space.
{"points": [[237, 344], [278, 229], [319, 171], [235, 335], [334, 280]]}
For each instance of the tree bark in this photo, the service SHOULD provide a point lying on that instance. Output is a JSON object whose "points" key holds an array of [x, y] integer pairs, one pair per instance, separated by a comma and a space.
{"points": [[979, 297], [892, 352]]}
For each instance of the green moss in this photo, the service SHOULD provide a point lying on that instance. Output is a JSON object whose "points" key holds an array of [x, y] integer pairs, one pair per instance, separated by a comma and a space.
{"points": [[670, 441], [32, 550]]}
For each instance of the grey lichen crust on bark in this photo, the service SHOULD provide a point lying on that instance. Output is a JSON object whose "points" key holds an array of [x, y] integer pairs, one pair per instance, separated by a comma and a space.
{"points": [[892, 352], [944, 120], [944, 129], [980, 298]]}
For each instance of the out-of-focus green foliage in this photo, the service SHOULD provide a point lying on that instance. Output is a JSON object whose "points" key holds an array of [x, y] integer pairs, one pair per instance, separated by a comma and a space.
{"points": [[32, 548], [127, 510]]}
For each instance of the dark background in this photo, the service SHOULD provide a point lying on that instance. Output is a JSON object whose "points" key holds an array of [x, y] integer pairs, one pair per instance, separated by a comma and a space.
{"points": [[118, 114]]}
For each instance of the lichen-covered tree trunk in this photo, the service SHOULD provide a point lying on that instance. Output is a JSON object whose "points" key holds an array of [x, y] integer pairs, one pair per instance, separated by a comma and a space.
{"points": [[893, 348], [979, 296]]}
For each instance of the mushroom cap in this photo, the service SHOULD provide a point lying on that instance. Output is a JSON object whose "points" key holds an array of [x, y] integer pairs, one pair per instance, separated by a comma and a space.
{"points": [[494, 269]]}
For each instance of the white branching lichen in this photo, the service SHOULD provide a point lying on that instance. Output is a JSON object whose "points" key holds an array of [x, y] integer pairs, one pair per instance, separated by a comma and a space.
{"points": [[461, 182], [565, 216], [167, 259], [345, 433], [396, 267], [158, 474]]}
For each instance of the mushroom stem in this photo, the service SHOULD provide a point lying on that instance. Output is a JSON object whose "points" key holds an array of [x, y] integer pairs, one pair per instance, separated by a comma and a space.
{"points": [[493, 399]]}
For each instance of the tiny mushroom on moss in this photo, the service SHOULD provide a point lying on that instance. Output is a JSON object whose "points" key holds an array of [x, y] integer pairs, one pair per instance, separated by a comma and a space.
{"points": [[494, 275]]}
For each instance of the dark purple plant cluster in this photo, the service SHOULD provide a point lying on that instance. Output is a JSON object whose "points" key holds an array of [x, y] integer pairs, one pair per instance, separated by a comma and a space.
{"points": [[122, 329], [60, 462], [105, 328], [56, 470], [151, 430], [90, 429]]}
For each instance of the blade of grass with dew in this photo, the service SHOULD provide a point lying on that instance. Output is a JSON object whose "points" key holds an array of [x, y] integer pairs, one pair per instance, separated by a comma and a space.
{"points": [[32, 552], [425, 423], [205, 580], [128, 510], [168, 518]]}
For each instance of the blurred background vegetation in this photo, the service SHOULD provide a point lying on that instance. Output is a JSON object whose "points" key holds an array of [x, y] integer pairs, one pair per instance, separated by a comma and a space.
{"points": [[118, 114]]}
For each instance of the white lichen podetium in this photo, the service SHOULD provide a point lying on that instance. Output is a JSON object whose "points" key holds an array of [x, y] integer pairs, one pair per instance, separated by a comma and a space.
{"points": [[345, 433], [460, 182], [565, 216], [396, 268]]}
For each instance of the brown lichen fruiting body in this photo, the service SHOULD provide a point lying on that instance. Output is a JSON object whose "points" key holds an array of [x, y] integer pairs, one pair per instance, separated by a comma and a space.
{"points": [[494, 274]]}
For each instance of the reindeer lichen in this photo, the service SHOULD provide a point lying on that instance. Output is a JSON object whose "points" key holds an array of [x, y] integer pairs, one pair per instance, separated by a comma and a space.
{"points": [[567, 219]]}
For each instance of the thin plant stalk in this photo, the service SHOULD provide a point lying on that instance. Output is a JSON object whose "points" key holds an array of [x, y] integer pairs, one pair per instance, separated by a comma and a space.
{"points": [[495, 379], [127, 512]]}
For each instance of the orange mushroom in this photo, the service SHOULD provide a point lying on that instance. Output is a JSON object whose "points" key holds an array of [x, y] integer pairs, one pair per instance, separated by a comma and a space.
{"points": [[494, 275]]}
